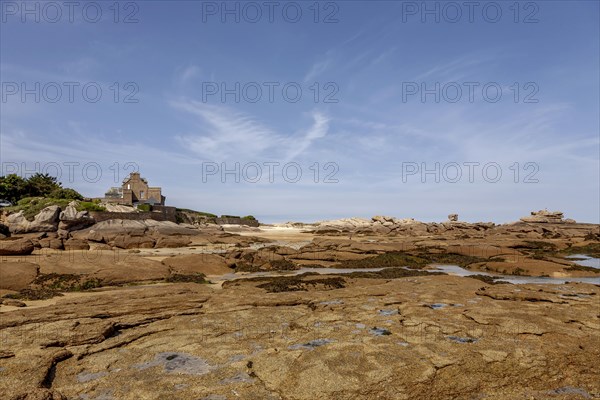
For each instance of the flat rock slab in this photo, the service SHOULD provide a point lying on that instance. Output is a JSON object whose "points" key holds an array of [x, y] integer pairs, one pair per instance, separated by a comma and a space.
{"points": [[372, 338], [17, 275], [208, 264]]}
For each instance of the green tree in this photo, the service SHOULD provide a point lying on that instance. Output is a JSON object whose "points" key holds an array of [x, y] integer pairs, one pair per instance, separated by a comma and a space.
{"points": [[41, 185], [13, 187]]}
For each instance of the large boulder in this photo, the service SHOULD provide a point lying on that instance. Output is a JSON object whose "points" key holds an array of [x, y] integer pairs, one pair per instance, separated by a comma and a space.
{"points": [[412, 228], [379, 228], [72, 220], [166, 234], [17, 275], [16, 246], [129, 234], [170, 228], [45, 221], [17, 223], [107, 231]]}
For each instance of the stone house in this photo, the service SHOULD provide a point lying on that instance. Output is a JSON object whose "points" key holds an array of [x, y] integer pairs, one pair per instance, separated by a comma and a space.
{"points": [[135, 190]]}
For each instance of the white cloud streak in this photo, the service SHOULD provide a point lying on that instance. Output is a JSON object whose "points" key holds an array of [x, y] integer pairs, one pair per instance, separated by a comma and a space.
{"points": [[226, 133]]}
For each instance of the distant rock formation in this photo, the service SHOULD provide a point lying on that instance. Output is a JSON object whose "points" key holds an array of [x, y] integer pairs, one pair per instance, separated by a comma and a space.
{"points": [[546, 216], [391, 225]]}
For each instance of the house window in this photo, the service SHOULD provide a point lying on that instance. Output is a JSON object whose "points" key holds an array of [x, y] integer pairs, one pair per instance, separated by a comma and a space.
{"points": [[128, 186], [141, 194]]}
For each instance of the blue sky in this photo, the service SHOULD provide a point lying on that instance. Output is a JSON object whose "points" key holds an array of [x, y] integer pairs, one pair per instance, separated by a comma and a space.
{"points": [[365, 133]]}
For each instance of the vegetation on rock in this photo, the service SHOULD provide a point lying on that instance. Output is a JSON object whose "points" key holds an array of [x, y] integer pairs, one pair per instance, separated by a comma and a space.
{"points": [[583, 268], [184, 215], [90, 206], [31, 206], [297, 283], [33, 294], [392, 273], [66, 282], [536, 249], [144, 207], [15, 188], [589, 249], [194, 278], [405, 259]]}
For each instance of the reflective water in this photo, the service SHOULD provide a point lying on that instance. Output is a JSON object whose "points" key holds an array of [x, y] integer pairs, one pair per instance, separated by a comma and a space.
{"points": [[449, 269], [437, 306], [585, 261], [459, 271]]}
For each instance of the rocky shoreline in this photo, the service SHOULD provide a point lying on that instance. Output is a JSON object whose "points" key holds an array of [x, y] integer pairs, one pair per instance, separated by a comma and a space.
{"points": [[125, 309]]}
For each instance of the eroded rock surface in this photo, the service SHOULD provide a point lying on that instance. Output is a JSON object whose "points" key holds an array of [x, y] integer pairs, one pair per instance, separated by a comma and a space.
{"points": [[413, 338]]}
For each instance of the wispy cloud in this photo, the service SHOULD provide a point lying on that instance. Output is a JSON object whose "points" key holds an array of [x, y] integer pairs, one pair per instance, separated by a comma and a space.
{"points": [[317, 131], [188, 73], [227, 133], [317, 69], [451, 67]]}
